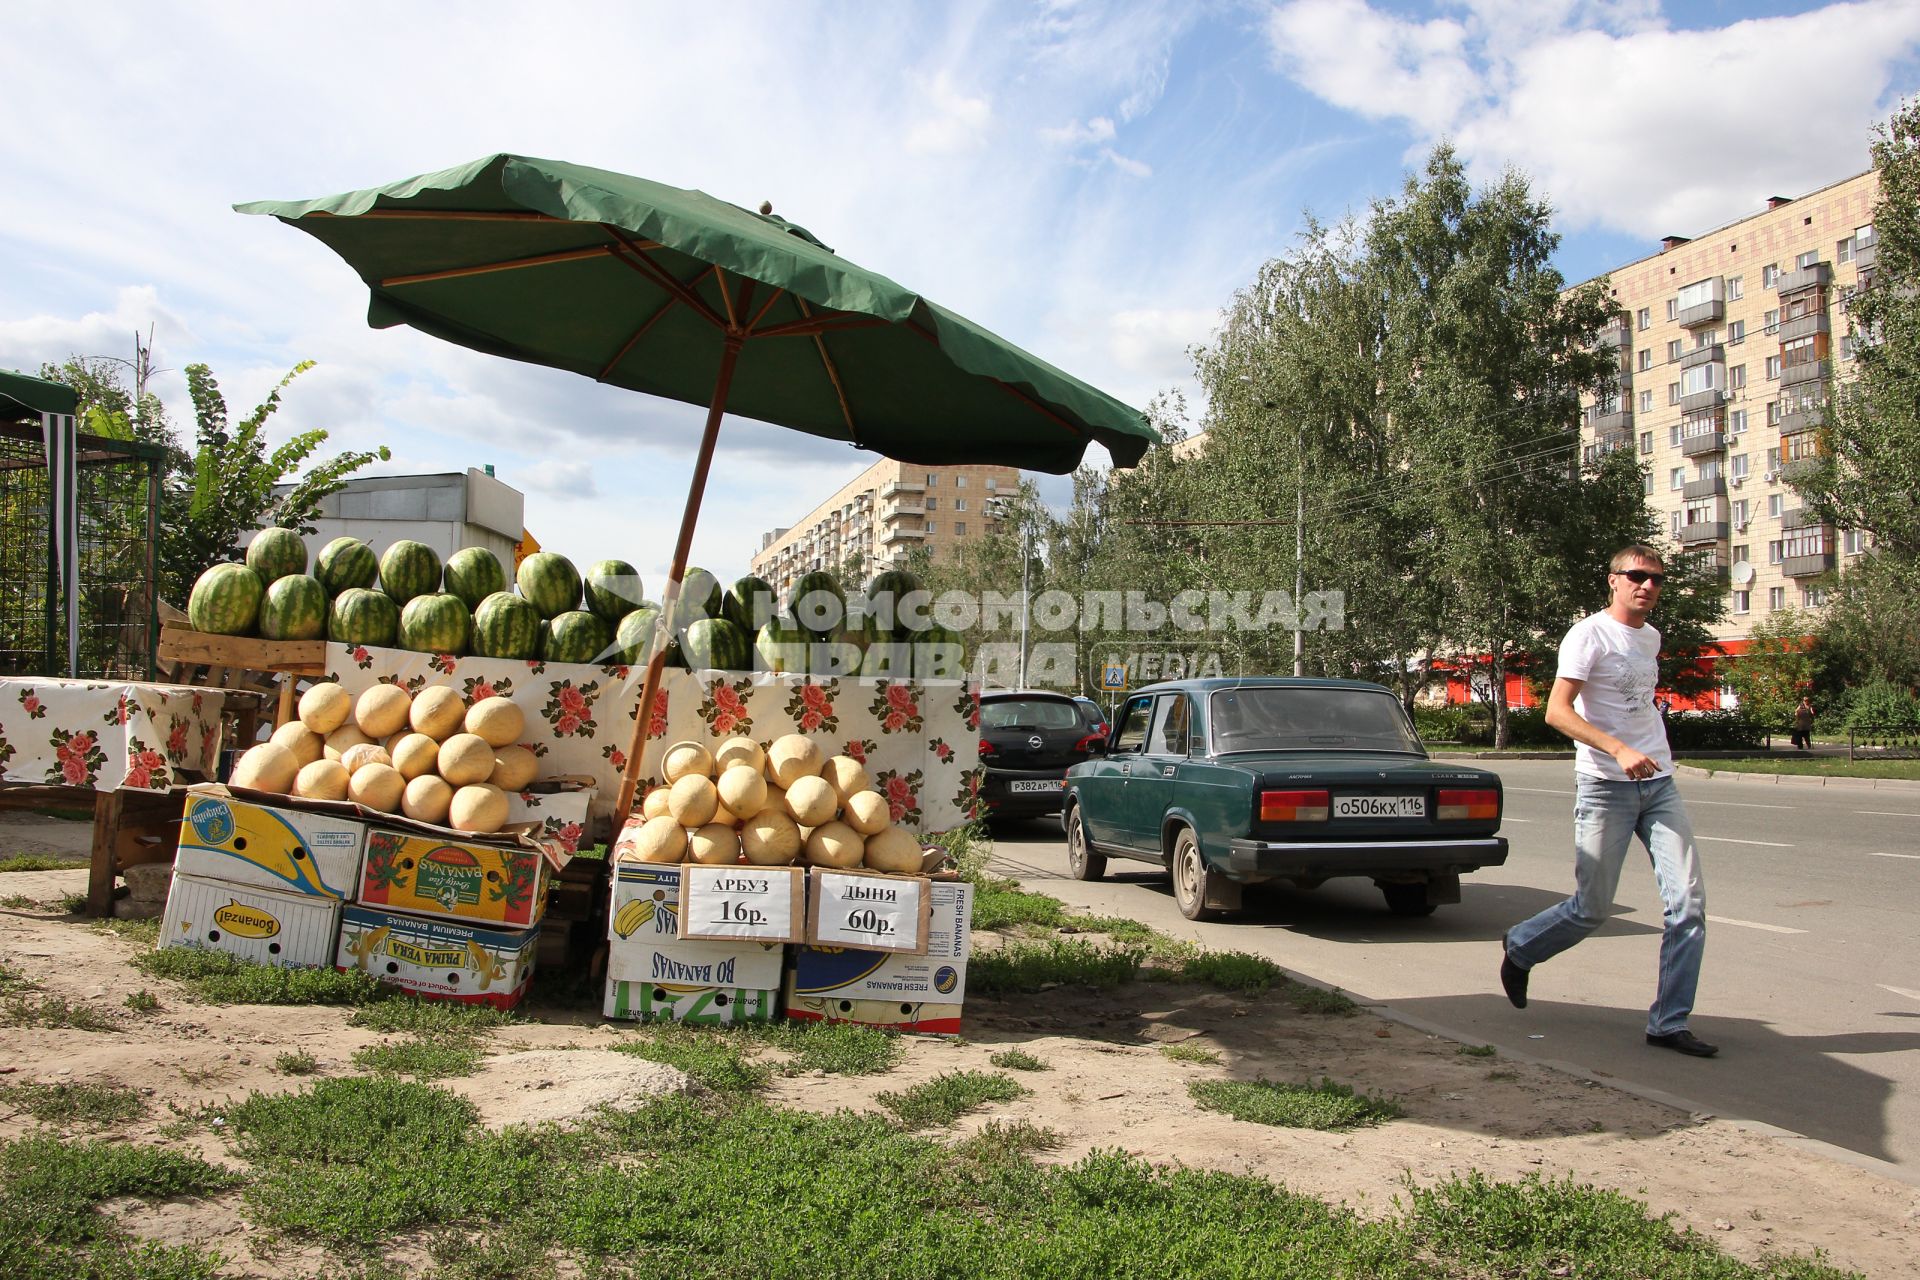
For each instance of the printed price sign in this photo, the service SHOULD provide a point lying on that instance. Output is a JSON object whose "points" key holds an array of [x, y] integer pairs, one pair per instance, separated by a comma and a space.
{"points": [[764, 904], [870, 912]]}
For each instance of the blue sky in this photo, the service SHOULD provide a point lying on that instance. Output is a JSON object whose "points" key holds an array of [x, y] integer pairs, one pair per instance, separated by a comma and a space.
{"points": [[1092, 180]]}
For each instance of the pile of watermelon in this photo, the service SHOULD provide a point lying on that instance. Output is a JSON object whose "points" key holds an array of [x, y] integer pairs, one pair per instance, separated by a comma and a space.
{"points": [[406, 598]]}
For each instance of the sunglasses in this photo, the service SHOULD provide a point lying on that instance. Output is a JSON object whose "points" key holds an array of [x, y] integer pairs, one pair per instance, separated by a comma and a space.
{"points": [[1638, 576]]}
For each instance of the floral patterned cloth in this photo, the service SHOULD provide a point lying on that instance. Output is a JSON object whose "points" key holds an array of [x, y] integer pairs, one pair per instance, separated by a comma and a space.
{"points": [[108, 735], [918, 739]]}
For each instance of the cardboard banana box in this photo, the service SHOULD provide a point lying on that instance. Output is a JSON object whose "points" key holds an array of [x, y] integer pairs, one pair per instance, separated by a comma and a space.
{"points": [[439, 959], [223, 837], [697, 1006], [500, 884], [286, 929]]}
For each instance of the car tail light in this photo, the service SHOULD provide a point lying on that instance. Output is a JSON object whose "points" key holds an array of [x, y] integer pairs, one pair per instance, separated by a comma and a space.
{"points": [[1461, 806], [986, 748], [1294, 806], [1086, 744]]}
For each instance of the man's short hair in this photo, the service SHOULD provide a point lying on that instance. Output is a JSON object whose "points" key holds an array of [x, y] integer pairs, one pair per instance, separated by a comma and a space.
{"points": [[1635, 551]]}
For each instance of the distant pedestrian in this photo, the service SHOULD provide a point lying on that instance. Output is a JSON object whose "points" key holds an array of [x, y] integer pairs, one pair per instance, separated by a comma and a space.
{"points": [[1803, 724], [1602, 698]]}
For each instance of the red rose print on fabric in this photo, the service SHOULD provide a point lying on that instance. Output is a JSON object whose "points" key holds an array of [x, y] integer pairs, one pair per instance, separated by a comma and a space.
{"points": [[811, 710], [478, 688], [31, 704], [902, 792], [78, 758], [724, 707], [146, 768], [861, 748], [444, 663], [569, 709], [897, 707]]}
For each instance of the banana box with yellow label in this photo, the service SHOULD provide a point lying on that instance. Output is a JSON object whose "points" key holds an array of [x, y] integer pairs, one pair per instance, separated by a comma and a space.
{"points": [[500, 884], [286, 929], [223, 837], [439, 959]]}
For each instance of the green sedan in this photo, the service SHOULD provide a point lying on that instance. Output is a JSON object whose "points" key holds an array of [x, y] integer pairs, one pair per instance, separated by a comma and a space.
{"points": [[1267, 780]]}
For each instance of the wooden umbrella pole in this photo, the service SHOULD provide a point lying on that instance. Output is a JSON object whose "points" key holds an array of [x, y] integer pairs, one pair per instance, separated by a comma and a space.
{"points": [[630, 779]]}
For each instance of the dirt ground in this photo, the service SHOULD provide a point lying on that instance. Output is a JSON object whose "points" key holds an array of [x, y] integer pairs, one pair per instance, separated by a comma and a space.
{"points": [[1109, 1086]]}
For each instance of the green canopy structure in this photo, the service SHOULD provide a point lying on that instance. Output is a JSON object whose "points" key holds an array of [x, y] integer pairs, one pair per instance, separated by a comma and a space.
{"points": [[22, 396], [678, 294]]}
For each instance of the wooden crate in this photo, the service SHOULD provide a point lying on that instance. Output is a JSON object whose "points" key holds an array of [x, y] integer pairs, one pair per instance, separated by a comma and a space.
{"points": [[241, 664]]}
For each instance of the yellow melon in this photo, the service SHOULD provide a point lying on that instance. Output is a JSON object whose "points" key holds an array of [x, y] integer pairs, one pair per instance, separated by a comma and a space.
{"points": [[741, 751], [655, 805], [715, 845], [770, 838], [337, 742], [466, 759], [742, 790], [661, 840], [427, 799], [811, 801], [692, 801], [306, 745], [414, 754], [479, 808], [894, 850], [377, 786], [514, 768], [846, 776], [835, 844], [867, 812], [792, 757], [685, 758], [267, 767], [325, 707], [382, 710], [438, 712], [497, 720], [321, 780]]}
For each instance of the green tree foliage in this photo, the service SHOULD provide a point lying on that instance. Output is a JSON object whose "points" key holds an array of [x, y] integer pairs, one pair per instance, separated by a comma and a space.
{"points": [[1777, 668]]}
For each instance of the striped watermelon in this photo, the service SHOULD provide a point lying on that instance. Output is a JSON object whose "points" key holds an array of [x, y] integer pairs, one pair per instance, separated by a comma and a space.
{"points": [[435, 623], [505, 626], [409, 569], [716, 644], [550, 581], [576, 636], [363, 616], [473, 574], [637, 633], [749, 604], [700, 597], [275, 552], [344, 563], [295, 608], [888, 659], [897, 599], [781, 646], [817, 603], [225, 600], [613, 589], [939, 654]]}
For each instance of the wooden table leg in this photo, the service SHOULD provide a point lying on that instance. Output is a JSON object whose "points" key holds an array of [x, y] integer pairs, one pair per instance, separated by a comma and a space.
{"points": [[285, 713], [101, 868]]}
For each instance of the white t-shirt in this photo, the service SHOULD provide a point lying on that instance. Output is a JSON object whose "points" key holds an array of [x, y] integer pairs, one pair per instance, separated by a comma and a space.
{"points": [[1620, 667]]}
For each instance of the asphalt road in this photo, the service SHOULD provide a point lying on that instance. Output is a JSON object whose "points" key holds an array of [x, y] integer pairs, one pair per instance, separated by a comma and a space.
{"points": [[1811, 984]]}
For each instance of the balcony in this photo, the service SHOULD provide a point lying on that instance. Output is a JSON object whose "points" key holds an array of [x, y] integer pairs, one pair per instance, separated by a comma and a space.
{"points": [[1865, 255], [1795, 421], [1705, 442], [1613, 420], [1618, 333], [1807, 566], [1715, 354], [1799, 518], [1712, 398], [898, 487], [1710, 487], [901, 533], [904, 507], [1712, 312], [1805, 326], [1608, 441], [1806, 371], [1705, 531], [1817, 276]]}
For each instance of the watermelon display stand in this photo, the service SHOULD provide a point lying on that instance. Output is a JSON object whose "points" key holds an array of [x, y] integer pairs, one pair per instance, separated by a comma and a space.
{"points": [[238, 664]]}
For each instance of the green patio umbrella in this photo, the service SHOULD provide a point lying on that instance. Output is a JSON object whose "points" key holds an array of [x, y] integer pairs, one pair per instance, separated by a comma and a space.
{"points": [[678, 294]]}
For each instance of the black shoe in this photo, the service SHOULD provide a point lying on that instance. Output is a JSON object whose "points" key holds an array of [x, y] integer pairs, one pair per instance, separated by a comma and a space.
{"points": [[1513, 978], [1683, 1041]]}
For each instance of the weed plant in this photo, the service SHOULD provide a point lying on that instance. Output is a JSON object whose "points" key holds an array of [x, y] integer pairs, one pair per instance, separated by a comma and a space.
{"points": [[143, 934], [39, 862], [1003, 905], [56, 1013], [19, 902], [1477, 1050], [1190, 1053], [1018, 1060], [142, 1001], [423, 1057], [945, 1098], [1309, 999], [75, 1105], [1326, 1106], [296, 1063], [1022, 966], [1233, 971], [836, 1048], [410, 1016], [1003, 1143], [215, 977], [13, 981], [73, 903], [718, 1059]]}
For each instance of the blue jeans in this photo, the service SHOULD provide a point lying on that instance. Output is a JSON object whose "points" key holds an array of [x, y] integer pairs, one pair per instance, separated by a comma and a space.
{"points": [[1606, 817]]}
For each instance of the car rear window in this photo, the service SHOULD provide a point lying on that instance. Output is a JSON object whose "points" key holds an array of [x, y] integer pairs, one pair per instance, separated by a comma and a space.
{"points": [[1029, 713], [1287, 719]]}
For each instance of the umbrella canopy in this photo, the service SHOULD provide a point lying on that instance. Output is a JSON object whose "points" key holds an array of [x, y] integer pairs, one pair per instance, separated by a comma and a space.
{"points": [[22, 396], [641, 285]]}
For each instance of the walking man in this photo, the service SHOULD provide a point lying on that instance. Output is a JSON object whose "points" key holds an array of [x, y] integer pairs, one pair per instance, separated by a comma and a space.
{"points": [[1803, 724], [1623, 777]]}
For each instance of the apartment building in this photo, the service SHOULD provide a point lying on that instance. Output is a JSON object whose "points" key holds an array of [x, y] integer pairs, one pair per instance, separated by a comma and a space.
{"points": [[881, 515], [1725, 342]]}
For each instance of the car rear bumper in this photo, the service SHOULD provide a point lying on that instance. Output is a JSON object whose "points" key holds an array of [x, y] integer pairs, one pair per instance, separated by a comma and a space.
{"points": [[996, 788], [1323, 861]]}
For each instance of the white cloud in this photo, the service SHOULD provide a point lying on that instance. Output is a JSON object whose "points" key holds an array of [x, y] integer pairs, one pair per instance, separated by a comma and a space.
{"points": [[1077, 133], [1125, 164], [951, 121], [1623, 122]]}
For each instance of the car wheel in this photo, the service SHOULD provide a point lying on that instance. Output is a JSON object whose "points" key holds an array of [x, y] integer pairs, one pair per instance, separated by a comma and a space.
{"points": [[1082, 862], [1193, 880], [1407, 899]]}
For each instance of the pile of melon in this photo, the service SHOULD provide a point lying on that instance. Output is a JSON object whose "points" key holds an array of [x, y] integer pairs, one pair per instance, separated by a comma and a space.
{"points": [[789, 802], [427, 755]]}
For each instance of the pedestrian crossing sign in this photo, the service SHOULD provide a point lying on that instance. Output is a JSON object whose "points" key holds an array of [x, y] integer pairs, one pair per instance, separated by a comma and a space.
{"points": [[1113, 677]]}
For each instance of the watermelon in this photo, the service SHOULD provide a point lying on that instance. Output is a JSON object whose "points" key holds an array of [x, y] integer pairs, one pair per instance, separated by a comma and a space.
{"points": [[295, 608], [700, 597], [613, 589], [898, 600], [409, 569], [275, 552], [576, 636], [888, 659], [716, 644], [346, 562], [834, 657], [361, 616], [506, 626], [749, 604], [473, 574], [635, 635], [435, 623], [817, 603], [781, 646], [939, 654], [225, 600], [550, 581]]}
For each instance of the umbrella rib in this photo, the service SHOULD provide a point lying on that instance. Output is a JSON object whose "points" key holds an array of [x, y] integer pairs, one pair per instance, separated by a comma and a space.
{"points": [[509, 264], [761, 314], [636, 257], [642, 331], [833, 374], [831, 323]]}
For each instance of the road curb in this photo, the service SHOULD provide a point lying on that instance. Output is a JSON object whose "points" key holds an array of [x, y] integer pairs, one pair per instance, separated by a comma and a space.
{"points": [[1800, 779]]}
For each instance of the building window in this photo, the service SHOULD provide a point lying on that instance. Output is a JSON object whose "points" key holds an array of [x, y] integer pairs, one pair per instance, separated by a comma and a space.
{"points": [[1646, 357], [1673, 393], [959, 482], [1648, 486], [1773, 505], [1737, 378], [1740, 550], [960, 504], [1813, 597], [960, 529], [1800, 351], [1742, 601], [992, 483], [1773, 552], [1646, 402], [1776, 598], [1699, 293], [1644, 318], [1673, 308], [1677, 478], [1810, 258], [1673, 523], [1854, 541], [1674, 350], [1863, 237], [932, 528], [1773, 368], [1740, 517], [1843, 250], [1702, 377], [1736, 333], [1739, 466], [1646, 442], [1737, 420], [933, 504], [1848, 346], [1769, 276], [1773, 413], [1736, 287], [1673, 436], [1772, 319]]}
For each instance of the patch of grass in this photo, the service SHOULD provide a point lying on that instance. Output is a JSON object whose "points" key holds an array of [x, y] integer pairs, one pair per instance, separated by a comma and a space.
{"points": [[39, 862], [19, 902], [1325, 1106], [1003, 905], [1018, 1060], [837, 1048], [143, 1001], [1022, 966], [73, 903], [1005, 1142], [945, 1098], [144, 934], [1822, 766], [1503, 1075], [12, 980], [56, 1013], [1239, 971], [214, 977], [407, 1015], [353, 1119], [1310, 999], [714, 1057], [1121, 929], [296, 1062], [1190, 1053], [95, 1106], [1477, 1050], [49, 1223], [969, 848], [423, 1057], [511, 1252]]}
